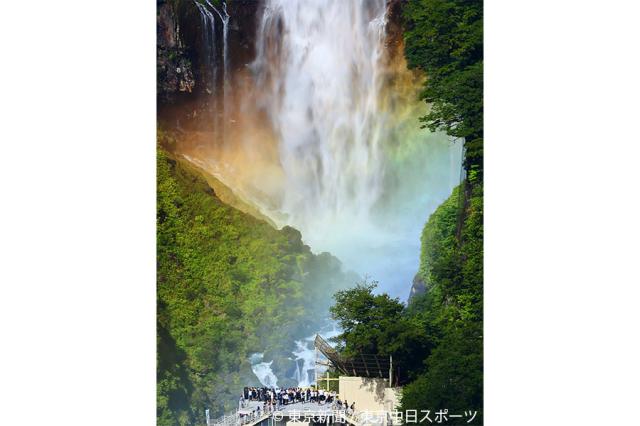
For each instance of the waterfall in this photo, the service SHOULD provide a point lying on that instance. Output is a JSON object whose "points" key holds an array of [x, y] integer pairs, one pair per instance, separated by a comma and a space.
{"points": [[226, 86], [323, 103], [225, 37], [262, 370], [328, 138], [306, 358], [359, 175], [209, 42], [210, 62]]}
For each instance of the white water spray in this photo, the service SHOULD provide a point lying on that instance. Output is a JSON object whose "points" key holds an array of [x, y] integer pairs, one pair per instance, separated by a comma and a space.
{"points": [[226, 86], [322, 101], [360, 177], [209, 41], [327, 137], [305, 357], [305, 360], [262, 370], [211, 63]]}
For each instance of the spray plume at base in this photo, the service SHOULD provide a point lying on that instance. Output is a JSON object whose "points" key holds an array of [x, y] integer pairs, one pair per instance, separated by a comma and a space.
{"points": [[321, 132]]}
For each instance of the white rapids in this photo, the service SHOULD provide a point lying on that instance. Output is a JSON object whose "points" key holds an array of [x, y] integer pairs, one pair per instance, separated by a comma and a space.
{"points": [[262, 370]]}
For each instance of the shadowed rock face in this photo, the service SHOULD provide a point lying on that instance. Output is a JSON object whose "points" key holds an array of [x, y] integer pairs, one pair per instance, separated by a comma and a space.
{"points": [[185, 81], [174, 72], [418, 287]]}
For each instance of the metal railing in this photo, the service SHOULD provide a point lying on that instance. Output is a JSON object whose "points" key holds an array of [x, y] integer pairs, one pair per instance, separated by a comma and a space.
{"points": [[357, 417], [236, 419]]}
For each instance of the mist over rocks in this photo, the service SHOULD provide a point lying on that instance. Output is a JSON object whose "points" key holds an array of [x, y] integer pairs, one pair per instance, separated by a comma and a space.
{"points": [[418, 287], [229, 285]]}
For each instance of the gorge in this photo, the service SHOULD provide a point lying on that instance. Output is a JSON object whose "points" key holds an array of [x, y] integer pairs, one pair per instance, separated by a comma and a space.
{"points": [[293, 164], [319, 130]]}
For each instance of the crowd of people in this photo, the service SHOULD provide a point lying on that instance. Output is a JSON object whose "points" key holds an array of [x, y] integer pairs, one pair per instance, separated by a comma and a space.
{"points": [[275, 398]]}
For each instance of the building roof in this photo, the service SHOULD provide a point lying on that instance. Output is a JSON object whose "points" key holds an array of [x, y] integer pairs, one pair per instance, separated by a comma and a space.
{"points": [[361, 365]]}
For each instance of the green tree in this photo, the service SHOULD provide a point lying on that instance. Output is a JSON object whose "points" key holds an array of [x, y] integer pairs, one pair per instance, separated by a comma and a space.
{"points": [[436, 340], [367, 320], [451, 265], [377, 324], [444, 39], [225, 281]]}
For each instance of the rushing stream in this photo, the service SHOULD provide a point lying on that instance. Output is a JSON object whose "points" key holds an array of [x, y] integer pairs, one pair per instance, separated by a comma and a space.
{"points": [[304, 356], [263, 370]]}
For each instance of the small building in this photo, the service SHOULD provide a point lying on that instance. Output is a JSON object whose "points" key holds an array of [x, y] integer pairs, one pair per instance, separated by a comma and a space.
{"points": [[366, 380]]}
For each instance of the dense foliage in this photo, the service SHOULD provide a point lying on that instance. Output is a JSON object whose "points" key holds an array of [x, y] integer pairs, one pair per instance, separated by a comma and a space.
{"points": [[444, 39], [377, 324], [451, 267], [437, 339], [228, 284]]}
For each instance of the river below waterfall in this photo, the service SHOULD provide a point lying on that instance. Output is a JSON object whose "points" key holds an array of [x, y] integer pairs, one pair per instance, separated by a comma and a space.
{"points": [[304, 356]]}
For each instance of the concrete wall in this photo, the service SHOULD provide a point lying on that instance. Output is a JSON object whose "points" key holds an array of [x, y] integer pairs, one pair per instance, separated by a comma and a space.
{"points": [[392, 398], [369, 394]]}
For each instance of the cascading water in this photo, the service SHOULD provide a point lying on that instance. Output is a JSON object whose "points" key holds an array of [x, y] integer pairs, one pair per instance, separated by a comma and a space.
{"points": [[262, 370], [323, 105], [226, 86], [322, 134], [211, 63], [305, 357], [209, 42], [305, 360], [360, 177]]}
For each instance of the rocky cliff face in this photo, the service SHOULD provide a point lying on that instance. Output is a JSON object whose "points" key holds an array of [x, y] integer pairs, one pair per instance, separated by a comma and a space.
{"points": [[190, 57], [418, 287], [174, 70], [190, 75]]}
